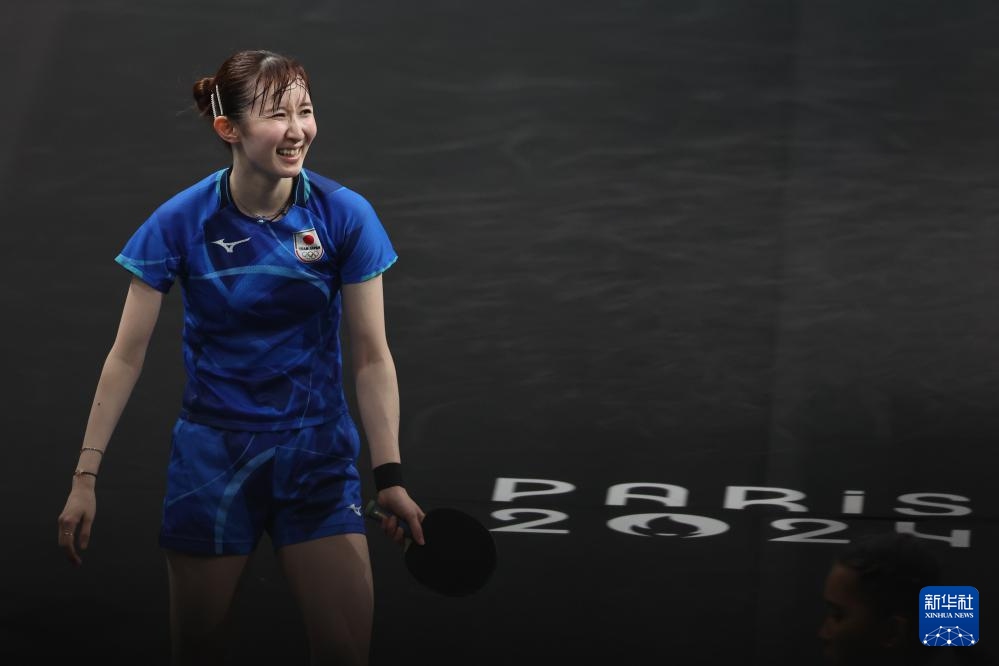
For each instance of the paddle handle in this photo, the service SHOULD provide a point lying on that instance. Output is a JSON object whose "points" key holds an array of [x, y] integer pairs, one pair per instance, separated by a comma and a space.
{"points": [[375, 512]]}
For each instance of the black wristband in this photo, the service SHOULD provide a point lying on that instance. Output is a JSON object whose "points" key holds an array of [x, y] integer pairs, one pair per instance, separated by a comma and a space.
{"points": [[388, 475]]}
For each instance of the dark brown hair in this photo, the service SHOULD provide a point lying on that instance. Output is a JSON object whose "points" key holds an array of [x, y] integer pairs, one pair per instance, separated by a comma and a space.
{"points": [[243, 78], [891, 569]]}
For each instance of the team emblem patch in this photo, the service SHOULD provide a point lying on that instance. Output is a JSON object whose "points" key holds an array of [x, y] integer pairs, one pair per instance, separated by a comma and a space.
{"points": [[307, 246]]}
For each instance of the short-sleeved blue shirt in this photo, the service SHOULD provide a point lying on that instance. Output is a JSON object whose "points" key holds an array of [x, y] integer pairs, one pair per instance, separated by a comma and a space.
{"points": [[261, 299]]}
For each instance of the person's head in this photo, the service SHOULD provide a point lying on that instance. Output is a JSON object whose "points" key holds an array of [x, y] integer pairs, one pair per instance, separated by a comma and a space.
{"points": [[872, 596], [259, 103]]}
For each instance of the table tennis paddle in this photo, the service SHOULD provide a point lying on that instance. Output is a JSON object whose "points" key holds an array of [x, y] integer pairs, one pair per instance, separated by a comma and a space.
{"points": [[458, 556]]}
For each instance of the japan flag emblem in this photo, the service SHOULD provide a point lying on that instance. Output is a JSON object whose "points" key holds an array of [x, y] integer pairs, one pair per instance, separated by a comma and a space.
{"points": [[307, 246]]}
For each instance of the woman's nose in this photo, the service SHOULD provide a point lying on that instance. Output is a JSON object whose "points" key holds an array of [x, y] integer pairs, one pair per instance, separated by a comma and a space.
{"points": [[295, 127]]}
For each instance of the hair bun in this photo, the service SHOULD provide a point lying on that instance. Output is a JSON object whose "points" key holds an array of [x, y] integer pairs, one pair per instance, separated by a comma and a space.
{"points": [[203, 89]]}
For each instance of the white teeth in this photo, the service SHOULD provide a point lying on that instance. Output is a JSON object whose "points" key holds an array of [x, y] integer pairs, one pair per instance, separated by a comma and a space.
{"points": [[289, 152]]}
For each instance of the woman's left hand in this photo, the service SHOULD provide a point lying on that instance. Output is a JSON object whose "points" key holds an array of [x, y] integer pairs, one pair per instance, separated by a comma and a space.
{"points": [[397, 501]]}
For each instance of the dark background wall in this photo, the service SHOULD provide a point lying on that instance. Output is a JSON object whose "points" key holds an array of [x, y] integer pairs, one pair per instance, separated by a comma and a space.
{"points": [[709, 244]]}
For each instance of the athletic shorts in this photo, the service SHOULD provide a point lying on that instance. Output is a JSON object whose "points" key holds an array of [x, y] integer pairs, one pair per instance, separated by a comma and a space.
{"points": [[225, 487]]}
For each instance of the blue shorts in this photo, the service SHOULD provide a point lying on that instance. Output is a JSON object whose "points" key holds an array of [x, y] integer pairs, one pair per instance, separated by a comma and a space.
{"points": [[225, 487]]}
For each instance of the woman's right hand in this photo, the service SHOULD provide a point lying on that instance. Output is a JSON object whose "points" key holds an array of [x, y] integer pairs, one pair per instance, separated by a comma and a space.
{"points": [[76, 519]]}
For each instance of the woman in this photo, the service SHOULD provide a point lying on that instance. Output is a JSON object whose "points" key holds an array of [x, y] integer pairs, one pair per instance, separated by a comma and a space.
{"points": [[268, 255]]}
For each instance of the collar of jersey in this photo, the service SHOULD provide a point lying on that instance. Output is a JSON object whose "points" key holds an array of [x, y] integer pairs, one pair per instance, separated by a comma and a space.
{"points": [[301, 187]]}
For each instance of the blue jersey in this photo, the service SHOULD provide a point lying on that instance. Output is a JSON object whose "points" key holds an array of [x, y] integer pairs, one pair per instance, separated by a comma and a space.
{"points": [[261, 299]]}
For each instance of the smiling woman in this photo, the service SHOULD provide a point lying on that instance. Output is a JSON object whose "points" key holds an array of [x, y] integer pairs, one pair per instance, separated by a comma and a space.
{"points": [[260, 106], [266, 253]]}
